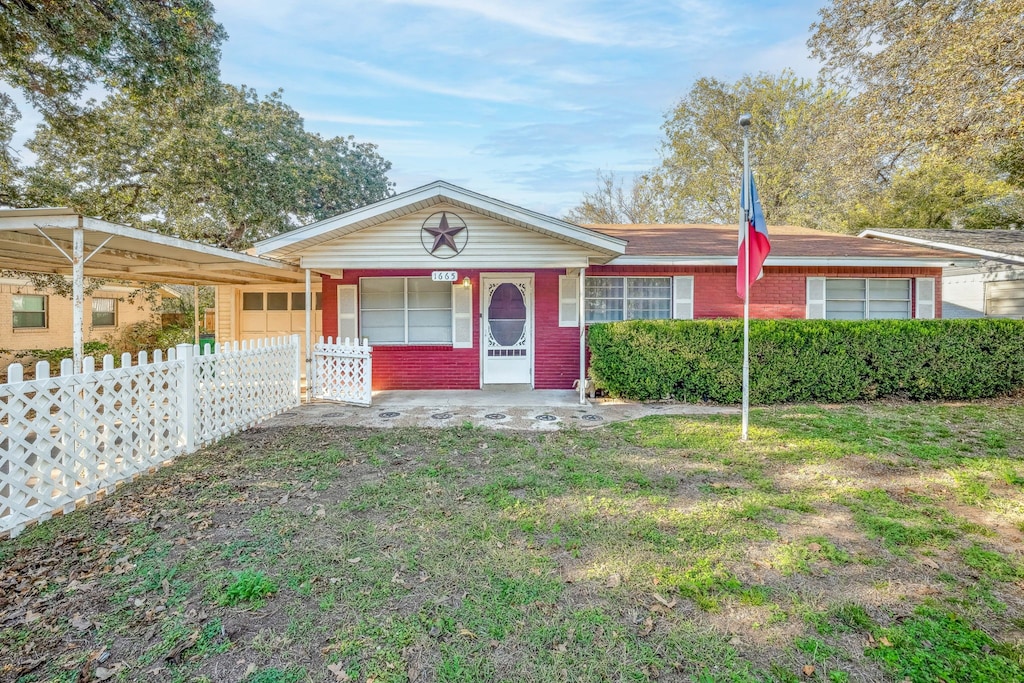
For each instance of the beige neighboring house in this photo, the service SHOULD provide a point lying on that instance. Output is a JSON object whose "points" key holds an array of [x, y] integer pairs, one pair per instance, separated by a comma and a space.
{"points": [[256, 311], [34, 319]]}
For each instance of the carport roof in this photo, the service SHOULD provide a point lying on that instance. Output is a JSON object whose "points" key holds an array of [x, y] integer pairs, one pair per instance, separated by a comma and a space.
{"points": [[40, 240]]}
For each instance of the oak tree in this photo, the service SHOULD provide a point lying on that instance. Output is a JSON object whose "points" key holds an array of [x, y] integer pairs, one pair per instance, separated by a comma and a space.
{"points": [[53, 50], [703, 148], [244, 169]]}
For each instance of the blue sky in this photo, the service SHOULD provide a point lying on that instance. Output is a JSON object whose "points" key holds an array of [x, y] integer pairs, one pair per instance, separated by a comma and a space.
{"points": [[521, 100]]}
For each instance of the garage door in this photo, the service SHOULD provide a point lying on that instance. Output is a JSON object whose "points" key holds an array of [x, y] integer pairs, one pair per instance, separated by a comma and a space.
{"points": [[1005, 299], [272, 313]]}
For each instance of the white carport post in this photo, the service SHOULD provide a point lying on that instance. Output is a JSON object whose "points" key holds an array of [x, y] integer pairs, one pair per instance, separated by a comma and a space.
{"points": [[195, 312], [309, 335], [77, 293], [583, 336]]}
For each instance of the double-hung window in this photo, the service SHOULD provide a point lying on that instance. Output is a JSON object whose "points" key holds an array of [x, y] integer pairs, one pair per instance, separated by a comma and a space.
{"points": [[611, 299], [104, 312], [867, 298], [29, 310], [405, 310]]}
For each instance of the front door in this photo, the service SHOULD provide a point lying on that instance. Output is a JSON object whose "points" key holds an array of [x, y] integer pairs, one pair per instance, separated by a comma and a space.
{"points": [[507, 330]]}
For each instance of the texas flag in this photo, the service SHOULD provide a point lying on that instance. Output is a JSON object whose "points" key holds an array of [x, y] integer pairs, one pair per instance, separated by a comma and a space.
{"points": [[753, 232]]}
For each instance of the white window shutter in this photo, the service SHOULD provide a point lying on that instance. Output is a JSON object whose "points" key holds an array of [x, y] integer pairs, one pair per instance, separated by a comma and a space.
{"points": [[348, 313], [925, 288], [815, 298], [568, 301], [462, 317], [682, 297]]}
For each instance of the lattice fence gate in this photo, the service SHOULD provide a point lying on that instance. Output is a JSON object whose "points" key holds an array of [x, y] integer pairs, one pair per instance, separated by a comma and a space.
{"points": [[342, 371]]}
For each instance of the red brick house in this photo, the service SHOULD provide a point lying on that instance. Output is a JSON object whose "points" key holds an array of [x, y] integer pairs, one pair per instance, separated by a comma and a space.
{"points": [[455, 290]]}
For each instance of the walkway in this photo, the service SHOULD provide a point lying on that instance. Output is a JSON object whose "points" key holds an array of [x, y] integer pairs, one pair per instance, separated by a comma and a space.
{"points": [[498, 409]]}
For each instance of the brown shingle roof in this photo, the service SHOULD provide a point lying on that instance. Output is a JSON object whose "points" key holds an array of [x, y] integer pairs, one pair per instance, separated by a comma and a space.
{"points": [[788, 241]]}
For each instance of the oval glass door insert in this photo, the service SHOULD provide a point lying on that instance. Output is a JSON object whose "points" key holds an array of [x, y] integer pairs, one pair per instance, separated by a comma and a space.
{"points": [[507, 314]]}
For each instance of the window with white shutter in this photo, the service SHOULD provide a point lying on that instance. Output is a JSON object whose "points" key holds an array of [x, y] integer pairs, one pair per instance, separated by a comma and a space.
{"points": [[348, 313], [857, 298], [925, 287], [682, 297], [815, 298], [568, 301], [462, 317]]}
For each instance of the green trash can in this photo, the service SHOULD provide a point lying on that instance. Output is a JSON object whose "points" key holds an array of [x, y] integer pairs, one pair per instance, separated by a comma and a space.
{"points": [[207, 344]]}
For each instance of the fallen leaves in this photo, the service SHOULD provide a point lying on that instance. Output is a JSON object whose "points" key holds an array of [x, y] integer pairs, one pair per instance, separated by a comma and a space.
{"points": [[340, 675], [182, 645], [665, 602], [105, 673], [81, 623]]}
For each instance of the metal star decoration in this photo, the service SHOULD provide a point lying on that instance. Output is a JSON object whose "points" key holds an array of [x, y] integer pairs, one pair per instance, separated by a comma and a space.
{"points": [[444, 234]]}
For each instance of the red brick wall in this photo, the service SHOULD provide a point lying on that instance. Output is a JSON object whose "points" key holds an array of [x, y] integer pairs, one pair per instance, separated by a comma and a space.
{"points": [[557, 350], [782, 293]]}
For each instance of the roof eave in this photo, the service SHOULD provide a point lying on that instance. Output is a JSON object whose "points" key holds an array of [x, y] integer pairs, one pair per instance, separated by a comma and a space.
{"points": [[945, 246], [797, 261]]}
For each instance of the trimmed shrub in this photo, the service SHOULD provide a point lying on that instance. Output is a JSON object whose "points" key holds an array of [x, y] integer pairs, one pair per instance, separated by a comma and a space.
{"points": [[808, 360]]}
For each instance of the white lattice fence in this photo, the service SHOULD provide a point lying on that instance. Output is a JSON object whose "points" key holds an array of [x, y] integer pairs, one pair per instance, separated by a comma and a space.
{"points": [[66, 439], [342, 371], [241, 385]]}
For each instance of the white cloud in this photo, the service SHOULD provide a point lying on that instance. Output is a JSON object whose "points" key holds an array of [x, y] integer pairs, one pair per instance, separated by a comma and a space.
{"points": [[489, 90], [358, 120], [631, 24]]}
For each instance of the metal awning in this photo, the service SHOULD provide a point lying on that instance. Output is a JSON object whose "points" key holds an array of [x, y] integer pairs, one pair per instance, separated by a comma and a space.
{"points": [[62, 242], [42, 241]]}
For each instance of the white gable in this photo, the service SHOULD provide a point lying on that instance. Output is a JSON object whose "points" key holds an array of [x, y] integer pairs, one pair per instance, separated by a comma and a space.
{"points": [[490, 244], [387, 234]]}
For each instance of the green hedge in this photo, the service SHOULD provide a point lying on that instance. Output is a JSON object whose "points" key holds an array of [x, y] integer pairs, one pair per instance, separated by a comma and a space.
{"points": [[808, 360]]}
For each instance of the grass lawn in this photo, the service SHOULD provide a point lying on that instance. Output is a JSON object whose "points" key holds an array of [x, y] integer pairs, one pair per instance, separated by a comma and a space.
{"points": [[861, 543]]}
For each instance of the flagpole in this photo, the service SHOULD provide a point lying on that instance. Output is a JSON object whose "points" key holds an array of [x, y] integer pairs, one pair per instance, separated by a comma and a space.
{"points": [[746, 206]]}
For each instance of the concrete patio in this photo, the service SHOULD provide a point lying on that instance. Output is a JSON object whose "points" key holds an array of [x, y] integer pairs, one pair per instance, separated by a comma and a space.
{"points": [[504, 408]]}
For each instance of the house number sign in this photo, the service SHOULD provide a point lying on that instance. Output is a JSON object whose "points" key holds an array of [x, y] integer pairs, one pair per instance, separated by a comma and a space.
{"points": [[444, 276]]}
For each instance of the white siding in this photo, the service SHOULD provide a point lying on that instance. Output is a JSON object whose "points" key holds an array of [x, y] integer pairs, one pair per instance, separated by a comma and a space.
{"points": [[491, 244]]}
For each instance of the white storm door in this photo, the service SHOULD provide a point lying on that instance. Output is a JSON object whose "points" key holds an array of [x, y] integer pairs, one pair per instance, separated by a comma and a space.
{"points": [[507, 330]]}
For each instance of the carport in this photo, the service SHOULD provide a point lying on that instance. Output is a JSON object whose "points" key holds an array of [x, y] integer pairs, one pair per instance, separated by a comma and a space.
{"points": [[61, 241]]}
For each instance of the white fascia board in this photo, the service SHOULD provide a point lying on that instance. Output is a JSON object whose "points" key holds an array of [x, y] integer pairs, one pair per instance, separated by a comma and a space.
{"points": [[39, 212], [327, 264], [227, 255], [30, 221], [789, 261], [945, 246], [440, 191]]}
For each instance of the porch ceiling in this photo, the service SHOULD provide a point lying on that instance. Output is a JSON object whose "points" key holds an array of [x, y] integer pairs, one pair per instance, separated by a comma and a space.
{"points": [[40, 241]]}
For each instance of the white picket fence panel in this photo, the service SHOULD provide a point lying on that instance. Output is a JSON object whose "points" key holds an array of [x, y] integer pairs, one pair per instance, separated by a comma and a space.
{"points": [[67, 439], [342, 371]]}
